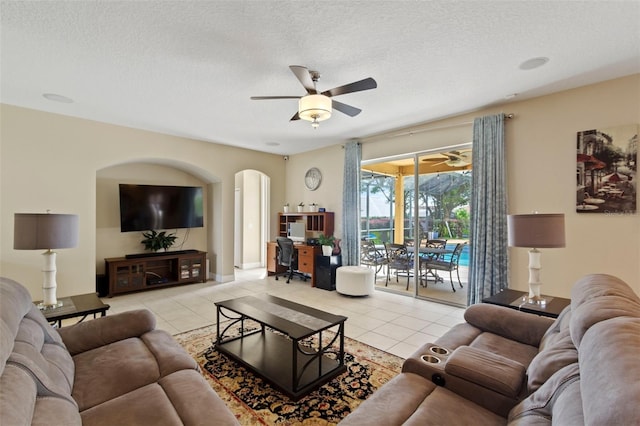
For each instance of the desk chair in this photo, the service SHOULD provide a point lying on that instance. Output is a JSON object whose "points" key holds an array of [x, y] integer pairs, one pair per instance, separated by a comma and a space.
{"points": [[288, 257]]}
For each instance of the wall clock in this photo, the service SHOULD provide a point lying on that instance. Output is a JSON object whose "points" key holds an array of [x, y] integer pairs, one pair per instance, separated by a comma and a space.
{"points": [[312, 179]]}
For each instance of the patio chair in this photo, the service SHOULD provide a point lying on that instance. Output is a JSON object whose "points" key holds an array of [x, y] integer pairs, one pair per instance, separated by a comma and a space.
{"points": [[425, 257], [440, 244], [399, 260], [451, 264], [373, 257]]}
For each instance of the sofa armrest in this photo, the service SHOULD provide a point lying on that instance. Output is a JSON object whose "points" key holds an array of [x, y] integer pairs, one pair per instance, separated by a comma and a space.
{"points": [[102, 331], [487, 369], [509, 323], [431, 363]]}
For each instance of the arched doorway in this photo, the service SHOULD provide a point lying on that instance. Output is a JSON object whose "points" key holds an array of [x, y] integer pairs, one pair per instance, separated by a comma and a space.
{"points": [[251, 212]]}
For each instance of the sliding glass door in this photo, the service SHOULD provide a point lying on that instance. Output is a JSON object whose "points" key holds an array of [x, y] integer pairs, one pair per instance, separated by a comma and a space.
{"points": [[411, 201]]}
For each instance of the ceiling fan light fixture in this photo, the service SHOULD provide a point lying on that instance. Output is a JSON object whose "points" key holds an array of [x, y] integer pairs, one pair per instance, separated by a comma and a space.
{"points": [[314, 108]]}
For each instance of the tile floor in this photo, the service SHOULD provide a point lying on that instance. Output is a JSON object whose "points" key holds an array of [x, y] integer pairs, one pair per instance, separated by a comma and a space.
{"points": [[390, 322]]}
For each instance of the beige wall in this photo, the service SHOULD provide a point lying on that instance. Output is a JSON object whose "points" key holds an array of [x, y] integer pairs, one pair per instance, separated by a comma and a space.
{"points": [[51, 161], [330, 162], [541, 156]]}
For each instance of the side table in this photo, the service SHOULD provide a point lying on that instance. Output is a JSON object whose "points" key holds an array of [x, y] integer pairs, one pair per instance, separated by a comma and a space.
{"points": [[326, 271], [81, 305], [517, 300]]}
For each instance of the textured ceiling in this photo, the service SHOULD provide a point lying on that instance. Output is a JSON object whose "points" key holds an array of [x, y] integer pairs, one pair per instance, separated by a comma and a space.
{"points": [[188, 68]]}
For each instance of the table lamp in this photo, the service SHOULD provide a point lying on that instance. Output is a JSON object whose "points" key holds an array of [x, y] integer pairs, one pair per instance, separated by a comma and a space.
{"points": [[36, 231], [536, 231]]}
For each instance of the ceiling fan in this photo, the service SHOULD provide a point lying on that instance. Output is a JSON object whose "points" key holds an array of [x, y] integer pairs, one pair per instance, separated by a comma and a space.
{"points": [[316, 107], [453, 159]]}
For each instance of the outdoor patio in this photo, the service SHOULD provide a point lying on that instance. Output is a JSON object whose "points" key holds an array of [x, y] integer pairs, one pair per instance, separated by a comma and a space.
{"points": [[439, 292]]}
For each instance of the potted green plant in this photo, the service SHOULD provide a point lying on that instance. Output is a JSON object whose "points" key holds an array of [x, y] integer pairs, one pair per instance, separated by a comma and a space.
{"points": [[300, 207], [155, 241], [327, 244], [285, 208]]}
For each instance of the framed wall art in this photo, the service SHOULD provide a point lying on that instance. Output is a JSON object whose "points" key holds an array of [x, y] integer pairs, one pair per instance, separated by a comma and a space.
{"points": [[607, 165]]}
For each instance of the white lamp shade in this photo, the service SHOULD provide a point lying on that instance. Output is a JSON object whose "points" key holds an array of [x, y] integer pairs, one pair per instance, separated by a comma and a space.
{"points": [[34, 231], [314, 107], [536, 230]]}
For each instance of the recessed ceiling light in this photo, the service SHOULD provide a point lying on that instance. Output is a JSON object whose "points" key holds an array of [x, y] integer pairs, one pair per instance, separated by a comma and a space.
{"points": [[534, 63], [58, 98], [272, 144]]}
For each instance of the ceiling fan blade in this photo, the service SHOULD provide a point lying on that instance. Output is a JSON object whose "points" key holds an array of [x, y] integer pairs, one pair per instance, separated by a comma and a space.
{"points": [[262, 98], [302, 73], [295, 117], [357, 86], [351, 111]]}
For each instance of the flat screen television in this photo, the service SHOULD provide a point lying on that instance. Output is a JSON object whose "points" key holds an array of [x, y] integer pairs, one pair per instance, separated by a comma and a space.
{"points": [[147, 207]]}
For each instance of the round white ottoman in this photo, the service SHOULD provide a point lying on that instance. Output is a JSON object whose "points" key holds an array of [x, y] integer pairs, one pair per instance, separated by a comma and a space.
{"points": [[355, 280]]}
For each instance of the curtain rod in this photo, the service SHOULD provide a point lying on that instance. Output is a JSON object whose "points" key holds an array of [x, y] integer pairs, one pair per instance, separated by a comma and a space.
{"points": [[448, 126]]}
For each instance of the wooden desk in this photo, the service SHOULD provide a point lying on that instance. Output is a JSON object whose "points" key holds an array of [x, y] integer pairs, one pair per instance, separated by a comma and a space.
{"points": [[306, 259]]}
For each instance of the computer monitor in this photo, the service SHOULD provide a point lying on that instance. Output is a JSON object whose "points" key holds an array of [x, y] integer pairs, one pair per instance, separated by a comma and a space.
{"points": [[297, 231]]}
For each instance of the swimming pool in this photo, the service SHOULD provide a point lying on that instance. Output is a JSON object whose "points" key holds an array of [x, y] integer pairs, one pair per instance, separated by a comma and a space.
{"points": [[464, 256]]}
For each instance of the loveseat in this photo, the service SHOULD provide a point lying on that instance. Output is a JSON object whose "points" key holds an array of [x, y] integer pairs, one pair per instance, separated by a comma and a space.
{"points": [[504, 366], [114, 370]]}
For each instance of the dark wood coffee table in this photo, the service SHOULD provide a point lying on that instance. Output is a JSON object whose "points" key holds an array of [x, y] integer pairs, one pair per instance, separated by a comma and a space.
{"points": [[275, 350], [79, 306], [517, 300]]}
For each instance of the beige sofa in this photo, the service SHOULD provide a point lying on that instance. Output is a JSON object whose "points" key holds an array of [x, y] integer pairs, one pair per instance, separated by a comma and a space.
{"points": [[114, 370], [507, 367]]}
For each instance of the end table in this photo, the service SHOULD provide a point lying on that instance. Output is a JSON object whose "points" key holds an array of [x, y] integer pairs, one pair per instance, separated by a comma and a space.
{"points": [[75, 306], [514, 299]]}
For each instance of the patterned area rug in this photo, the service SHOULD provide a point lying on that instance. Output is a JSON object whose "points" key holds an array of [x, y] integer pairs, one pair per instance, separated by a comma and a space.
{"points": [[255, 402]]}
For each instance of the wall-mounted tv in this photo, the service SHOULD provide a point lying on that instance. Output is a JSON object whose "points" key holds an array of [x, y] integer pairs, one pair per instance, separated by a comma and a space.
{"points": [[146, 207]]}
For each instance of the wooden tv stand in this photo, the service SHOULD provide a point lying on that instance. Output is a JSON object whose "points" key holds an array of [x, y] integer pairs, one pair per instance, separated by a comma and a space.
{"points": [[156, 270]]}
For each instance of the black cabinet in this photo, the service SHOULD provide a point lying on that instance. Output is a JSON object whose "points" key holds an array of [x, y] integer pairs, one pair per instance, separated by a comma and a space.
{"points": [[326, 271]]}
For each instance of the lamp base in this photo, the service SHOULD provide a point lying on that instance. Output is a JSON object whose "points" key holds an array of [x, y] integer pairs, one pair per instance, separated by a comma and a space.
{"points": [[44, 307], [537, 300]]}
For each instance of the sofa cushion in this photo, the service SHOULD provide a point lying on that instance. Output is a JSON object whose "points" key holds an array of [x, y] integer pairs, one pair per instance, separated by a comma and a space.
{"points": [[181, 398], [394, 402], [112, 370], [508, 323], [39, 344], [15, 302], [610, 382], [147, 405], [507, 348], [194, 399], [560, 325], [443, 407], [559, 353], [558, 399], [21, 405], [600, 297]]}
